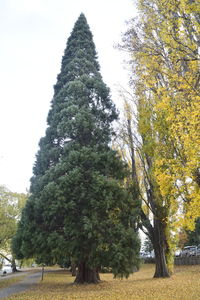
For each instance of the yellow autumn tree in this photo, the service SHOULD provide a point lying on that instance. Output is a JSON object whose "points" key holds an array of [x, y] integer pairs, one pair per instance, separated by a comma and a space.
{"points": [[164, 45]]}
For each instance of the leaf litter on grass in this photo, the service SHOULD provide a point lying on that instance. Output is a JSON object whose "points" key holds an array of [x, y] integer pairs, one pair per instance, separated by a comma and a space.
{"points": [[183, 285]]}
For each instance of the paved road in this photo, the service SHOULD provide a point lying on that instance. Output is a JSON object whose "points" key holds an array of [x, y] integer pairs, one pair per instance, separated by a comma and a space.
{"points": [[30, 280]]}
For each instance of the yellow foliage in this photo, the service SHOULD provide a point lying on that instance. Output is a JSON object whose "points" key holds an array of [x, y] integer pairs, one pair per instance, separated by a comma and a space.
{"points": [[167, 64]]}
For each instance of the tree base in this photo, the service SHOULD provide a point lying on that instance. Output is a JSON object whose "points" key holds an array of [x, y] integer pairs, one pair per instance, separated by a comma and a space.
{"points": [[161, 275], [161, 269], [86, 275]]}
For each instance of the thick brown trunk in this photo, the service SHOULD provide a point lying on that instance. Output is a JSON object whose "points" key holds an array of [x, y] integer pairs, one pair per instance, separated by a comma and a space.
{"points": [[161, 265], [86, 275], [159, 249]]}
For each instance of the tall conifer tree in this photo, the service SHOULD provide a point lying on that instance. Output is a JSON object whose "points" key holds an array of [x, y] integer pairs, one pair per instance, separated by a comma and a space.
{"points": [[78, 207]]}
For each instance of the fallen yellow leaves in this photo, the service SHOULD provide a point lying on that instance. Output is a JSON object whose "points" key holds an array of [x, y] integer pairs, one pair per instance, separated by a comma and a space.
{"points": [[183, 285]]}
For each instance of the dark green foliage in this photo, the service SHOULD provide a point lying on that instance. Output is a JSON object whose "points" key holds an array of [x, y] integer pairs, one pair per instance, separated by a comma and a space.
{"points": [[147, 247], [194, 236], [78, 207]]}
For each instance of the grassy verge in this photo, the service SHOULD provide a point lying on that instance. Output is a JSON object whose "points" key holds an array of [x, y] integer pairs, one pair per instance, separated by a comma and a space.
{"points": [[9, 281], [184, 285]]}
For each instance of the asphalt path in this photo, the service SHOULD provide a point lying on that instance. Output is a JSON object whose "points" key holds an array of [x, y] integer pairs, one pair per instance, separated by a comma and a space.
{"points": [[29, 281]]}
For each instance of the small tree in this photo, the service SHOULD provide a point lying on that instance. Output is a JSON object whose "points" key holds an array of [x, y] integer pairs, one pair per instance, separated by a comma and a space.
{"points": [[78, 206], [11, 205]]}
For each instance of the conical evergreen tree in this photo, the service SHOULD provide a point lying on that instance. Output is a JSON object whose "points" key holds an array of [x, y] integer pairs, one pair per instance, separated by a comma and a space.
{"points": [[78, 207]]}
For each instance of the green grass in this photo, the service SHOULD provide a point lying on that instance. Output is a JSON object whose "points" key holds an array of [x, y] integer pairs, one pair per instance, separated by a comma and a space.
{"points": [[183, 285]]}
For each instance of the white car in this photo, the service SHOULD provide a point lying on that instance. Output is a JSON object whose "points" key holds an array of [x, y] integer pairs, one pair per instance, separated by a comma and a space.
{"points": [[189, 251], [6, 269], [198, 250], [178, 252]]}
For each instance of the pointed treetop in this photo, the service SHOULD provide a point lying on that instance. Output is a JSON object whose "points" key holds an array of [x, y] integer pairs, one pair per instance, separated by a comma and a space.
{"points": [[80, 47], [82, 16]]}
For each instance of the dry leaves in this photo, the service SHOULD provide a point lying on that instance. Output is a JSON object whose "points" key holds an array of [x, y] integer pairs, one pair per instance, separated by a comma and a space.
{"points": [[183, 285]]}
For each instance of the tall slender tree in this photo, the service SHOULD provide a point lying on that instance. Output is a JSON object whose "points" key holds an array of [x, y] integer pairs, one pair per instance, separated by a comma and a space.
{"points": [[78, 206], [165, 46]]}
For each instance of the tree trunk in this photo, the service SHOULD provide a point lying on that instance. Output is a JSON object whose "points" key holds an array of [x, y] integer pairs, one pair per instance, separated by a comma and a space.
{"points": [[86, 275], [14, 267], [73, 269], [159, 249], [161, 265], [12, 261]]}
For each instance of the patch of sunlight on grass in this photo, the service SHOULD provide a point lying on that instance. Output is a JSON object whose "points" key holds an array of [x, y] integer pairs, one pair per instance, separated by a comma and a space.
{"points": [[184, 285]]}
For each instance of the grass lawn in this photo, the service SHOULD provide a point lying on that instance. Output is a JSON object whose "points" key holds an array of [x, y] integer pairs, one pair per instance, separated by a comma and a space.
{"points": [[8, 281], [183, 285]]}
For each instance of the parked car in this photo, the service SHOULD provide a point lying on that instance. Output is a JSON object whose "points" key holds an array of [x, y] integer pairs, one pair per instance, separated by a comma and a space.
{"points": [[6, 269], [177, 252], [144, 255], [189, 251], [198, 250]]}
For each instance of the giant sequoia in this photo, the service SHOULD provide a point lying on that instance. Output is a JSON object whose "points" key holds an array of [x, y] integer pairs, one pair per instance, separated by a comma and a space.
{"points": [[78, 207]]}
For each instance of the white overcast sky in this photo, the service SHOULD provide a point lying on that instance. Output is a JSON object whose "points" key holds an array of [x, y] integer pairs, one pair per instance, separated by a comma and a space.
{"points": [[33, 35]]}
